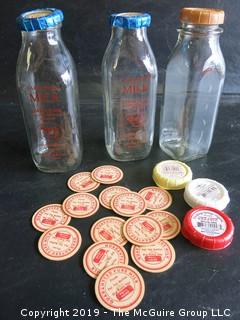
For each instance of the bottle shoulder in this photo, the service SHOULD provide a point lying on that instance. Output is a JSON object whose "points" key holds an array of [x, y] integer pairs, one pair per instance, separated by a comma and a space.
{"points": [[119, 56], [194, 57], [45, 62], [37, 56]]}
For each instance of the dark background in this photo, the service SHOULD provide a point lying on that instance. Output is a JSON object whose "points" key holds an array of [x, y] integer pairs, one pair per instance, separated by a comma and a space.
{"points": [[86, 33], [200, 279]]}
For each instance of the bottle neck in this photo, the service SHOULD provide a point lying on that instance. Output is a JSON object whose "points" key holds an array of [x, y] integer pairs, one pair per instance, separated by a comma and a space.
{"points": [[197, 30], [199, 37], [139, 34], [51, 36]]}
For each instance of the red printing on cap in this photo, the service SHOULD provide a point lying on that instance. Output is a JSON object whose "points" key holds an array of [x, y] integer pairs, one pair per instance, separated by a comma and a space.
{"points": [[106, 176], [62, 235], [122, 293], [205, 241], [148, 226], [106, 235], [128, 206], [149, 195], [152, 258], [86, 184], [166, 226], [48, 221], [80, 208], [99, 255]]}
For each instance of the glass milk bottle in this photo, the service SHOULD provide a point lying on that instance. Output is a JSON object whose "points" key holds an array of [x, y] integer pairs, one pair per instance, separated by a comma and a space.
{"points": [[129, 76], [194, 79], [48, 92]]}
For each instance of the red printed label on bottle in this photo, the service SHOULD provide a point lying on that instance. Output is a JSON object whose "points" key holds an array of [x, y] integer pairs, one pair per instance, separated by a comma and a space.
{"points": [[131, 132], [135, 85], [50, 120], [44, 94]]}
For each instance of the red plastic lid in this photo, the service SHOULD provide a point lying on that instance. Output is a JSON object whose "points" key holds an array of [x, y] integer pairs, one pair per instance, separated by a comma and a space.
{"points": [[208, 228]]}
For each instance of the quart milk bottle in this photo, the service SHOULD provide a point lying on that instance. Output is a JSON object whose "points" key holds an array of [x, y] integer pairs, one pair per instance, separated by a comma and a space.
{"points": [[129, 76], [48, 92], [194, 79]]}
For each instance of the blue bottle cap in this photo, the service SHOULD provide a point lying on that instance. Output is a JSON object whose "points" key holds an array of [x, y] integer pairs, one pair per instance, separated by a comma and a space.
{"points": [[40, 19], [130, 20]]}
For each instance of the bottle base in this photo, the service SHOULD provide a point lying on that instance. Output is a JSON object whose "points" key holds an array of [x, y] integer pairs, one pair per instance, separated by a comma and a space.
{"points": [[182, 156], [56, 168], [128, 156], [128, 159], [44, 170]]}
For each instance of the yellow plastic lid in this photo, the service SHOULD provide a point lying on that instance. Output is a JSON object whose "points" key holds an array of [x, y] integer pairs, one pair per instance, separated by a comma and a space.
{"points": [[172, 174]]}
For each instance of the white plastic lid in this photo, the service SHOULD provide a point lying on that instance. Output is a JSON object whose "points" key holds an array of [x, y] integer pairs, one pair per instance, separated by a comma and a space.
{"points": [[206, 192]]}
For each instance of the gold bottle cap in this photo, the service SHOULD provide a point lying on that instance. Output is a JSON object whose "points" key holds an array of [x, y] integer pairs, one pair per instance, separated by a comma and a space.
{"points": [[207, 16]]}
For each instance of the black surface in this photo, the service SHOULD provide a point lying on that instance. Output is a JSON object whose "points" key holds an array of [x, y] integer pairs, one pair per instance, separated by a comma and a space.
{"points": [[199, 280], [86, 33]]}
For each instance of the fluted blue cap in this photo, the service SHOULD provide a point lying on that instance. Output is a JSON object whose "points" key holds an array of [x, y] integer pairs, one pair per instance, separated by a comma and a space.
{"points": [[40, 19], [130, 20]]}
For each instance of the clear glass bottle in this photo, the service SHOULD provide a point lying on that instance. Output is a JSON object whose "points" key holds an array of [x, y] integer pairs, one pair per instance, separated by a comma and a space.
{"points": [[194, 79], [48, 92], [129, 75]]}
